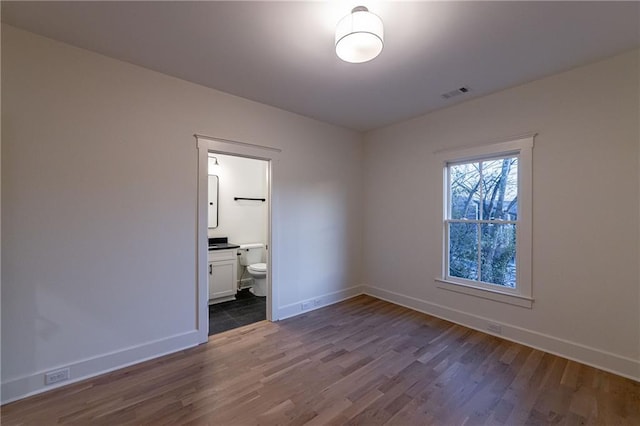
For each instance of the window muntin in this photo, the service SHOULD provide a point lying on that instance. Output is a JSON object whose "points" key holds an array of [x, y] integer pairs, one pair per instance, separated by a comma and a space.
{"points": [[481, 221]]}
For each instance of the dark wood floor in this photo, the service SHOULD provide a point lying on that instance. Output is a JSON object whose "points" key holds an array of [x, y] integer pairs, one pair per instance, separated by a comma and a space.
{"points": [[363, 361]]}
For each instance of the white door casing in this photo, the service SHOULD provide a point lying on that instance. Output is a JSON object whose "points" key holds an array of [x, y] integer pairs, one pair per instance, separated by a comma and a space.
{"points": [[206, 144]]}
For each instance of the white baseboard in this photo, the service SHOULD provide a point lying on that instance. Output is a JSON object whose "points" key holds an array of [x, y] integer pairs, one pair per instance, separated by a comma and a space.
{"points": [[603, 360], [32, 384], [317, 302]]}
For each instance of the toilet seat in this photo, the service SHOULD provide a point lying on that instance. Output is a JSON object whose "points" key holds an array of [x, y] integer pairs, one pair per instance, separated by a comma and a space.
{"points": [[258, 267]]}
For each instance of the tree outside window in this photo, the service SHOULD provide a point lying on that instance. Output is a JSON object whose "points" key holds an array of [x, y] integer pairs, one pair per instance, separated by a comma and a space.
{"points": [[482, 220]]}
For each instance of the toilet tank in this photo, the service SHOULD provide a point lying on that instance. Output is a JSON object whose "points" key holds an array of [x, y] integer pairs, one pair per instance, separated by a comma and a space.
{"points": [[250, 253]]}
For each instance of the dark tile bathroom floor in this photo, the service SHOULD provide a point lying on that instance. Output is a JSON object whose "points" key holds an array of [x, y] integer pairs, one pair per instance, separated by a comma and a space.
{"points": [[246, 309]]}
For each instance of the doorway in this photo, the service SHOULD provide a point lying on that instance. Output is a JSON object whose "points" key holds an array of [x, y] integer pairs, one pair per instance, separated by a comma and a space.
{"points": [[233, 258], [237, 236]]}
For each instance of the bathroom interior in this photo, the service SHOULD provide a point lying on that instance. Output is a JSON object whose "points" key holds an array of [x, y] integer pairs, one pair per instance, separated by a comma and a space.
{"points": [[237, 235]]}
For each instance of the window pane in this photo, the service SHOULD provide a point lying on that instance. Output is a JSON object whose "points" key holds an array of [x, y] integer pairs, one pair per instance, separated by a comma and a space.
{"points": [[499, 254], [500, 189], [464, 190], [463, 250], [511, 192]]}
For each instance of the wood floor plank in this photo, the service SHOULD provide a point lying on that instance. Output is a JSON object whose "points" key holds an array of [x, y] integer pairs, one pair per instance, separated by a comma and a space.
{"points": [[360, 362]]}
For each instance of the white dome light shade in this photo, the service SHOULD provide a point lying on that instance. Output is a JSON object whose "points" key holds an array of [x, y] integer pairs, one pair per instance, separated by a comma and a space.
{"points": [[359, 36]]}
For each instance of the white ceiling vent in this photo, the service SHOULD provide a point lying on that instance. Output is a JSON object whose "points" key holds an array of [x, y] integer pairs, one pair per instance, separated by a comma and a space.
{"points": [[460, 91]]}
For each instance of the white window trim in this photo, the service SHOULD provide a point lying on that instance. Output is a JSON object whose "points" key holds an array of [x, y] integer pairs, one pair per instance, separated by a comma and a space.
{"points": [[522, 294]]}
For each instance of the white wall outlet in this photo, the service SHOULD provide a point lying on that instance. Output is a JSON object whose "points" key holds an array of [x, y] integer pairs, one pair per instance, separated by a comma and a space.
{"points": [[306, 305], [56, 376], [316, 302], [494, 328]]}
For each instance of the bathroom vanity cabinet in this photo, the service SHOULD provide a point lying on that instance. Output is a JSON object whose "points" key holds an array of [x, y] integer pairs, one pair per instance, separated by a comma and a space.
{"points": [[223, 275]]}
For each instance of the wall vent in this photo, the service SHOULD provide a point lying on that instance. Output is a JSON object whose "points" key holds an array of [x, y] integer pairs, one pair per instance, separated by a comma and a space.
{"points": [[460, 91]]}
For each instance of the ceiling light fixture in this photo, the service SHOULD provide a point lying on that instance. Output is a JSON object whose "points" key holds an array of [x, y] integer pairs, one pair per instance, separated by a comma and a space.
{"points": [[359, 36]]}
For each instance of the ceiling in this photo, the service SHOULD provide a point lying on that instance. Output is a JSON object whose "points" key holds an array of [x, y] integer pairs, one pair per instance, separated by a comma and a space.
{"points": [[282, 53]]}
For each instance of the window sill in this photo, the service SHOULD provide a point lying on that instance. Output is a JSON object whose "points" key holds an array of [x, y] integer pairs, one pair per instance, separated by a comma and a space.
{"points": [[496, 295]]}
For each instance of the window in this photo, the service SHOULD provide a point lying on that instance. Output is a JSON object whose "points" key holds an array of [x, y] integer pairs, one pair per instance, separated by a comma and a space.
{"points": [[487, 221]]}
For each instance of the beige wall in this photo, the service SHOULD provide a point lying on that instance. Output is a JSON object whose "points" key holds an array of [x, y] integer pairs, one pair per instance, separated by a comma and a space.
{"points": [[99, 173], [585, 211]]}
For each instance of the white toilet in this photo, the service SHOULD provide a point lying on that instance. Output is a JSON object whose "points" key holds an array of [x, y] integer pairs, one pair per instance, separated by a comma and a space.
{"points": [[251, 258]]}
